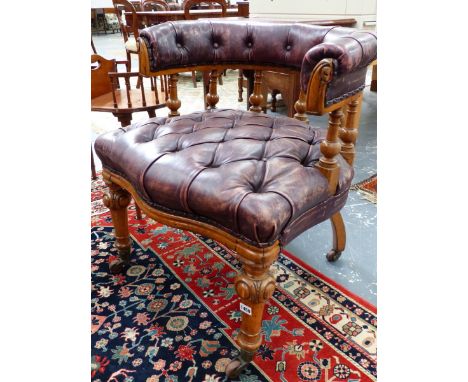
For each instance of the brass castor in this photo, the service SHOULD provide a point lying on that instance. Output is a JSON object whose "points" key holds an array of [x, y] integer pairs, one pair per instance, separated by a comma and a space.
{"points": [[333, 255], [237, 365], [121, 262]]}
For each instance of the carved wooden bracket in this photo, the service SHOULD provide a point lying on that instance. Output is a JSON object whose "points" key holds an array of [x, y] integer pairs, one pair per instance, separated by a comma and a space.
{"points": [[116, 198], [255, 290]]}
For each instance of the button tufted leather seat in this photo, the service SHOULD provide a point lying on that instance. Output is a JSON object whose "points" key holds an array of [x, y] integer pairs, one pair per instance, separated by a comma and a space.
{"points": [[252, 175]]}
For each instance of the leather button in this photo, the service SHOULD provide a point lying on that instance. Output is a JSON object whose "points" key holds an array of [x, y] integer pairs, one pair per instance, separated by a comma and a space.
{"points": [[215, 45], [288, 47], [249, 44], [178, 45]]}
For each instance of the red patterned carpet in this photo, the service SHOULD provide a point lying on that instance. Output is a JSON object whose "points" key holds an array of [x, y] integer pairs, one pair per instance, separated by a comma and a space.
{"points": [[174, 314]]}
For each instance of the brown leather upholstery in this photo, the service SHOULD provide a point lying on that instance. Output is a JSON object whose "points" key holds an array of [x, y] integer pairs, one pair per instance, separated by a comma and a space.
{"points": [[250, 174], [288, 45]]}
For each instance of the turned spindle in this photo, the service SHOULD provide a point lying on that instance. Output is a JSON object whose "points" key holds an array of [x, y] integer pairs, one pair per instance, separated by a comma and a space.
{"points": [[330, 147], [240, 84], [212, 97], [349, 131], [256, 97], [173, 103], [300, 107]]}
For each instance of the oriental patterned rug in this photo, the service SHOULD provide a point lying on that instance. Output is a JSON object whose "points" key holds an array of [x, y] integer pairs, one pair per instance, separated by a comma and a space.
{"points": [[174, 314], [367, 188]]}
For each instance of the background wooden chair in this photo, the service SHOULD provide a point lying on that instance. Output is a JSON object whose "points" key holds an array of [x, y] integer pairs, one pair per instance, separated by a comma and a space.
{"points": [[108, 96], [154, 5], [129, 26], [210, 4]]}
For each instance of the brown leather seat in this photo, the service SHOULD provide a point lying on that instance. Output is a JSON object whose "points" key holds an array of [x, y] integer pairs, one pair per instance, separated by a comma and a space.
{"points": [[250, 174]]}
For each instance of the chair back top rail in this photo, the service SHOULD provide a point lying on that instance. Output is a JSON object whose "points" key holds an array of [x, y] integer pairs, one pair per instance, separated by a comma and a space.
{"points": [[149, 5], [190, 3], [343, 53], [129, 22]]}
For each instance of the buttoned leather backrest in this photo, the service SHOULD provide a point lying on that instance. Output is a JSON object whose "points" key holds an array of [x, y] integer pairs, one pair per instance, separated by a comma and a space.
{"points": [[290, 45]]}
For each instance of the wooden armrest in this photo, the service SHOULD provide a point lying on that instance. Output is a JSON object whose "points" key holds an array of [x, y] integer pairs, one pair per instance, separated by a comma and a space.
{"points": [[122, 62]]}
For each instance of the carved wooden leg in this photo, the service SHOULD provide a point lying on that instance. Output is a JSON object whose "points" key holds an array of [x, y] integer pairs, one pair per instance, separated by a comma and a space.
{"points": [[117, 200], [254, 285], [339, 237]]}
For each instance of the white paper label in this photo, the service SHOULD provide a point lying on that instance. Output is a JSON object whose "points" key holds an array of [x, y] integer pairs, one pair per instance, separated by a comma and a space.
{"points": [[246, 309]]}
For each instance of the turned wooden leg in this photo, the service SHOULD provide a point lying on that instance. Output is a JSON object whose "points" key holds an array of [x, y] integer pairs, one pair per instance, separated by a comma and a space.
{"points": [[254, 285], [117, 200], [339, 237]]}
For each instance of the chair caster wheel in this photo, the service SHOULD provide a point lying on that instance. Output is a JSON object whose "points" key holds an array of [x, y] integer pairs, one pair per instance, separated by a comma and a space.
{"points": [[117, 266], [333, 255], [235, 367]]}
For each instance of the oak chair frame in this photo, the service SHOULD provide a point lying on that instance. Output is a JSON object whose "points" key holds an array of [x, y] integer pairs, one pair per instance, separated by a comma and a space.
{"points": [[254, 284]]}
